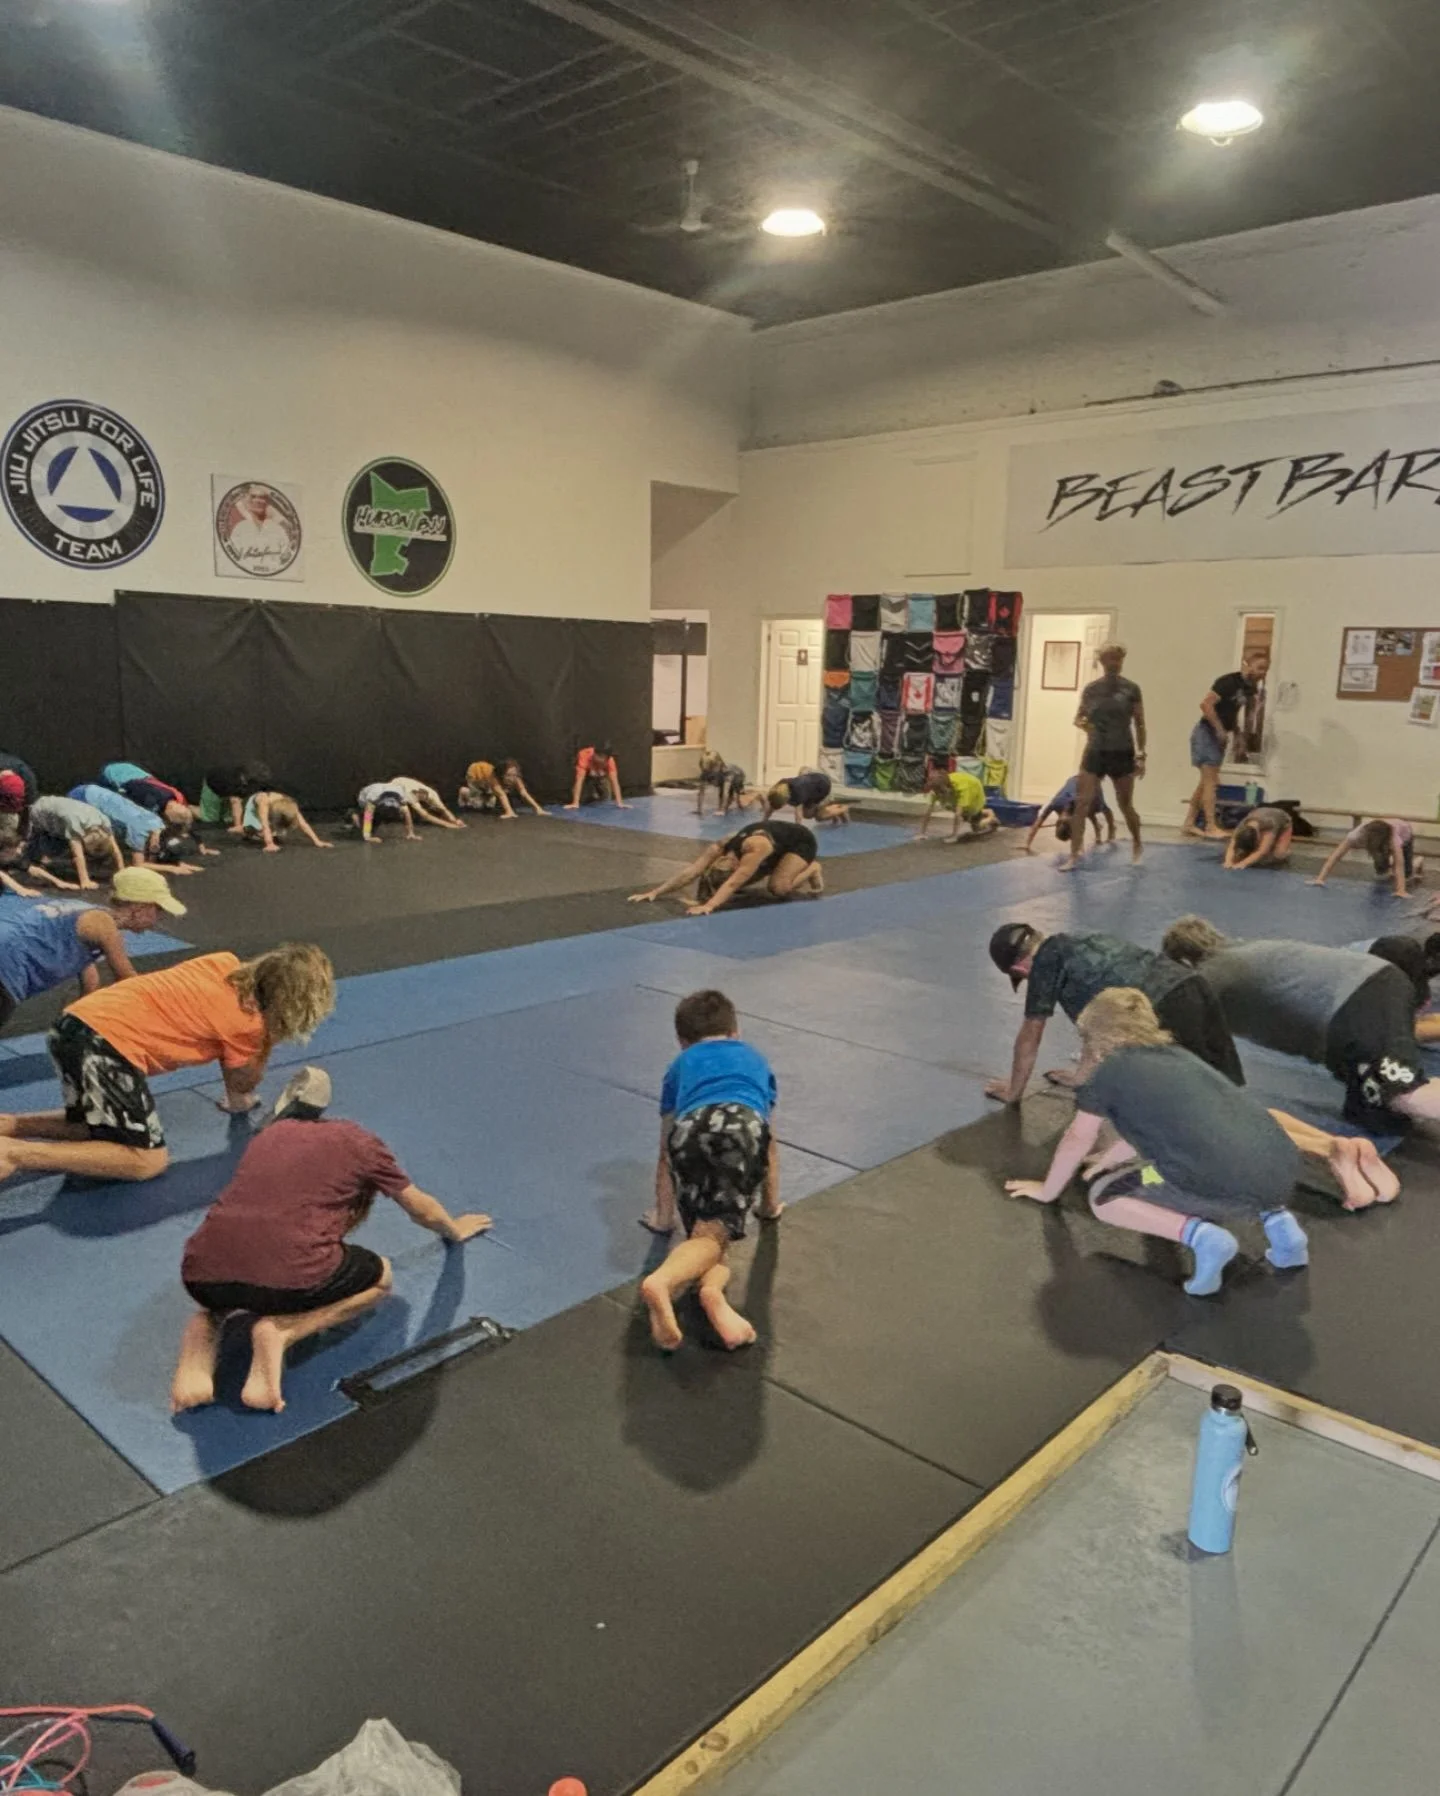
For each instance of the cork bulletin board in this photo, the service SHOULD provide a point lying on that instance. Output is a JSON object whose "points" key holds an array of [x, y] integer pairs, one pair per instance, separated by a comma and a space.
{"points": [[1386, 664]]}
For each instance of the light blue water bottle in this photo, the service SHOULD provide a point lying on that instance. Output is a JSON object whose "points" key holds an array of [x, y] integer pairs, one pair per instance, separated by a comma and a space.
{"points": [[1225, 1440]]}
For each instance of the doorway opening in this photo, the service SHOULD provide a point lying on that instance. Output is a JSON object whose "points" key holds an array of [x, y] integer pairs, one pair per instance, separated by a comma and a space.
{"points": [[1059, 661], [791, 652]]}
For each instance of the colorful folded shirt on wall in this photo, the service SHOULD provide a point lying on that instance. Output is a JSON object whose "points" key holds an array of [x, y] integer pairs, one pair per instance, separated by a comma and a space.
{"points": [[865, 651], [949, 647], [974, 689], [863, 688], [1005, 610], [838, 611], [892, 612], [997, 738], [834, 721], [858, 769], [1002, 698], [837, 649], [917, 690], [949, 611], [979, 650], [887, 693], [976, 615], [920, 612], [889, 732], [997, 769], [947, 692], [832, 765], [910, 774], [972, 733], [882, 775], [944, 732], [865, 611], [836, 679], [1002, 657], [915, 736]]}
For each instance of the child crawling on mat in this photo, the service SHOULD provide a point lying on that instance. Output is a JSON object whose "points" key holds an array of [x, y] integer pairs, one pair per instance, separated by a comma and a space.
{"points": [[717, 1156], [964, 797], [490, 788], [268, 817], [273, 1246], [1062, 808], [1191, 1153], [109, 1043], [1390, 843]]}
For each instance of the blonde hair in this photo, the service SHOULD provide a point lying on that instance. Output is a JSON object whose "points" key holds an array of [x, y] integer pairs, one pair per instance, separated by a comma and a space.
{"points": [[1110, 648], [711, 757], [1190, 939], [97, 841], [292, 987], [778, 796], [1120, 1017], [284, 812]]}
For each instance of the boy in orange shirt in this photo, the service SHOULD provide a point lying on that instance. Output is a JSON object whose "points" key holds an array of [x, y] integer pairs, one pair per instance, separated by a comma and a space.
{"points": [[214, 1007]]}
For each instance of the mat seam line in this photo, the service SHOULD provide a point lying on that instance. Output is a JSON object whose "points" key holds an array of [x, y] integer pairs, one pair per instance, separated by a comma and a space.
{"points": [[1359, 1664], [110, 1521], [874, 1433]]}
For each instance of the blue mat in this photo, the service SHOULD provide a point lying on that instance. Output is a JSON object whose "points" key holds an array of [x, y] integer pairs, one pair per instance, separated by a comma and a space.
{"points": [[673, 814], [523, 1082]]}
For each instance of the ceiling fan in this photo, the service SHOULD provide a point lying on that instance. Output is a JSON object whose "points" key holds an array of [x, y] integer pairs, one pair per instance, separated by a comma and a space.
{"points": [[696, 219]]}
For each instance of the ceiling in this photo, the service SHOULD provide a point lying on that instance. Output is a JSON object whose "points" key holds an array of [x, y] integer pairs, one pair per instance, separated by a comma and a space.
{"points": [[947, 141]]}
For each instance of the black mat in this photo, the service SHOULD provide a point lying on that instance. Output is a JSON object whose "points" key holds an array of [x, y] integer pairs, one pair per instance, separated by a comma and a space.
{"points": [[568, 1556], [1360, 1330], [58, 1479], [967, 1328]]}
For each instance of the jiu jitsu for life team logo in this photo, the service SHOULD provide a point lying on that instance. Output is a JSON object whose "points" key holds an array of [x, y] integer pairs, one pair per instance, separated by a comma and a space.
{"points": [[81, 483], [398, 527]]}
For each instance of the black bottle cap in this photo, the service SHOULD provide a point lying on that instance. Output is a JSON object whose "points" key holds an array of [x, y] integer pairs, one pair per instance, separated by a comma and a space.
{"points": [[1226, 1397]]}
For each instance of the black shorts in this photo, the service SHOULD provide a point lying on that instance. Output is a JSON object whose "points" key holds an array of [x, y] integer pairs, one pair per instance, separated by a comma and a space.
{"points": [[718, 1159], [1370, 1046], [7, 1007], [360, 1270], [1407, 858], [1109, 763], [1192, 1014], [101, 1088]]}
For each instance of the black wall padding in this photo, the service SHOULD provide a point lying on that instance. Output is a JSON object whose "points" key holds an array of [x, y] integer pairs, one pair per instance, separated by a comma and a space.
{"points": [[330, 696], [60, 689], [610, 658], [528, 699], [324, 693], [190, 670], [437, 699]]}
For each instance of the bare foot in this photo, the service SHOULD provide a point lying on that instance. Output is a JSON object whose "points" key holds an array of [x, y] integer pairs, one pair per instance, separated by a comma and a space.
{"points": [[9, 1159], [664, 1329], [771, 1215], [1135, 853], [1069, 866], [1217, 835], [1191, 829], [1344, 1160], [1385, 1183], [191, 1388], [732, 1328], [267, 1364], [194, 1382]]}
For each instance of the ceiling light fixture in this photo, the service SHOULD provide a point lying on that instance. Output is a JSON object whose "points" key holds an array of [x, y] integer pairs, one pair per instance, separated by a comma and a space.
{"points": [[1222, 120], [794, 221]]}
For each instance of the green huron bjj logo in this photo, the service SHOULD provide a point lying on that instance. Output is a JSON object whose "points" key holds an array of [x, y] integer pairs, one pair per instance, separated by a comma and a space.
{"points": [[398, 527]]}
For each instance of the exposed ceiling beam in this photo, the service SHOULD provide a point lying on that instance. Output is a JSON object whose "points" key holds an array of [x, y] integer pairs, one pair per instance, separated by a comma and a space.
{"points": [[809, 115]]}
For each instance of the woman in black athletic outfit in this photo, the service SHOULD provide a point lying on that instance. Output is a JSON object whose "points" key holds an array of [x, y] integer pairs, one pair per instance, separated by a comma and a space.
{"points": [[781, 854]]}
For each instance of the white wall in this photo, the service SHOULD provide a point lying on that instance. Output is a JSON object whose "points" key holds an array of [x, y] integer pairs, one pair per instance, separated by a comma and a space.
{"points": [[802, 527], [245, 328]]}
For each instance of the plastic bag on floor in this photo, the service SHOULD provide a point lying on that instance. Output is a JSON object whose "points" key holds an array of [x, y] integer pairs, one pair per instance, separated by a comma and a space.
{"points": [[379, 1761]]}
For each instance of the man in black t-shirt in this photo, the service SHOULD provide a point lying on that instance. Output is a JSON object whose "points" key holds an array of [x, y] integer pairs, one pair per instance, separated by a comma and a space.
{"points": [[1220, 711], [781, 855]]}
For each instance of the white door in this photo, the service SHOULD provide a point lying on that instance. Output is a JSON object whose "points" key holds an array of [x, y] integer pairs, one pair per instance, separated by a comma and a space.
{"points": [[1059, 660], [790, 723]]}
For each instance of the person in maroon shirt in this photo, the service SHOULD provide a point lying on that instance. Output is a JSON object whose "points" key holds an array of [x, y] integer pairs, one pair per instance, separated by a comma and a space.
{"points": [[273, 1243]]}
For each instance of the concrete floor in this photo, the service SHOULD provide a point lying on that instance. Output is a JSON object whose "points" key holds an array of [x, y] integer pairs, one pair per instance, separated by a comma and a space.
{"points": [[1084, 1651]]}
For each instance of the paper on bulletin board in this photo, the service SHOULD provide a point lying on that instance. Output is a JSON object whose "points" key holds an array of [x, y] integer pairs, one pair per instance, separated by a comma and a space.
{"points": [[1359, 679], [1425, 706], [1430, 658], [1360, 652]]}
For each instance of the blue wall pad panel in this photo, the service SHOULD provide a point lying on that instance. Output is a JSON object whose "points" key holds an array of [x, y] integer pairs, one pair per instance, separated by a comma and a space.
{"points": [[673, 814]]}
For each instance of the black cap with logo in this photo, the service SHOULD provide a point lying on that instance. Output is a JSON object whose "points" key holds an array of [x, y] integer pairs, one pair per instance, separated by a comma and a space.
{"points": [[1010, 943]]}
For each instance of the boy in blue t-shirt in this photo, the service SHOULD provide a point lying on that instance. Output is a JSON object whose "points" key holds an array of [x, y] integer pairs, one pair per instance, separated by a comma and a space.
{"points": [[717, 1155], [1062, 808]]}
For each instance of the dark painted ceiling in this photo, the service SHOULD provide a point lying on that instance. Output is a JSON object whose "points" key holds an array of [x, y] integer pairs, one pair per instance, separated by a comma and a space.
{"points": [[947, 141]]}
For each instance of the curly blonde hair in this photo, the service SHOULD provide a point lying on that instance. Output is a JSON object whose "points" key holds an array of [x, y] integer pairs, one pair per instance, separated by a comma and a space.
{"points": [[284, 813], [1190, 939], [292, 987], [1121, 1017]]}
